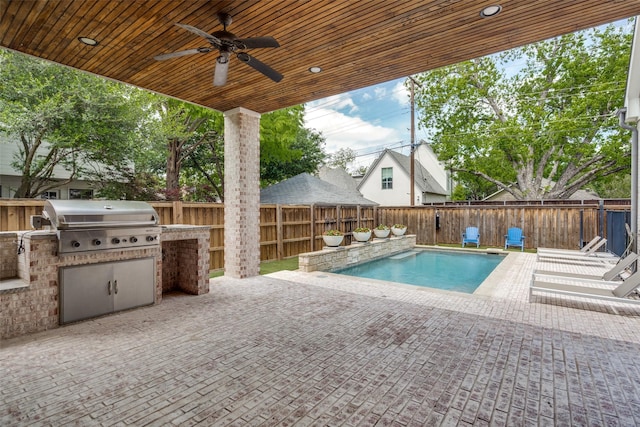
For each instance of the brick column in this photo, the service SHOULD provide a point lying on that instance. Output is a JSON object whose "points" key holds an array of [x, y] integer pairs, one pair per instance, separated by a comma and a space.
{"points": [[241, 193]]}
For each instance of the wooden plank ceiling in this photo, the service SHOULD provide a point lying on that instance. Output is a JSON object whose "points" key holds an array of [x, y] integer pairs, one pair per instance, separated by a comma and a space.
{"points": [[357, 43]]}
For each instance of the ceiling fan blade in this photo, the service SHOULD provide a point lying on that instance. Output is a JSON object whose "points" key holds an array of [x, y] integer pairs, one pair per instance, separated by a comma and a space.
{"points": [[254, 42], [181, 53], [213, 40], [220, 73], [260, 66]]}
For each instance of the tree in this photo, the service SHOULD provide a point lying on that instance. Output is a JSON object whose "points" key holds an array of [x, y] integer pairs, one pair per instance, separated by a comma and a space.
{"points": [[341, 158], [195, 162], [307, 154], [542, 133], [204, 171], [64, 119], [619, 187], [181, 128], [361, 170]]}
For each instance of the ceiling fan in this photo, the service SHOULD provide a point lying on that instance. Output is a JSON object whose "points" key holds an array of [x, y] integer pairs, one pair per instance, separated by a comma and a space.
{"points": [[227, 43]]}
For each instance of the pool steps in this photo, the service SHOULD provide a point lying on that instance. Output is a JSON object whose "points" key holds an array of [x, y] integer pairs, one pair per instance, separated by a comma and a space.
{"points": [[404, 255]]}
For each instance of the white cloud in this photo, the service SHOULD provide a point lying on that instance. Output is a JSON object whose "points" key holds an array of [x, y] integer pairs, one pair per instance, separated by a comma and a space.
{"points": [[367, 121], [335, 102], [343, 131], [380, 92], [400, 93]]}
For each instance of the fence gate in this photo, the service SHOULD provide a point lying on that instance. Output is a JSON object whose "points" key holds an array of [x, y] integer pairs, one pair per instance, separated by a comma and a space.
{"points": [[617, 238]]}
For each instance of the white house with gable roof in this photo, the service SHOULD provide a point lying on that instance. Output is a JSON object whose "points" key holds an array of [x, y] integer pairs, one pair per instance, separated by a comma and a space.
{"points": [[388, 180]]}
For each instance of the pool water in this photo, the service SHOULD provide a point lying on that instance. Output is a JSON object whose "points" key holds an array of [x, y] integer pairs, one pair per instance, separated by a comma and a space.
{"points": [[452, 271]]}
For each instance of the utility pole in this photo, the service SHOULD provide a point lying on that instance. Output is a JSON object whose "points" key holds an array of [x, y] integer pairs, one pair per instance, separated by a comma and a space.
{"points": [[413, 140]]}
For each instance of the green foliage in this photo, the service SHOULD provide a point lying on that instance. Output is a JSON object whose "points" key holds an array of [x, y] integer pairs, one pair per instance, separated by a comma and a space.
{"points": [[132, 143], [361, 170], [278, 131], [62, 118], [543, 132], [617, 187], [305, 154], [342, 158]]}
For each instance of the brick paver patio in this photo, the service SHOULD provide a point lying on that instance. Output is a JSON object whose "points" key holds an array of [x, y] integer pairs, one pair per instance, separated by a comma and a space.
{"points": [[296, 349]]}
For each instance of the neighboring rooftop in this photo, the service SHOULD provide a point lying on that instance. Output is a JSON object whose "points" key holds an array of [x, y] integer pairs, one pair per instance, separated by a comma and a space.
{"points": [[338, 177], [305, 189]]}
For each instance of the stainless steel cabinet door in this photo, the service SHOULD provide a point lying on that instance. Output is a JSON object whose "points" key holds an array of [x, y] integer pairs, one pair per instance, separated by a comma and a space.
{"points": [[85, 291], [134, 282]]}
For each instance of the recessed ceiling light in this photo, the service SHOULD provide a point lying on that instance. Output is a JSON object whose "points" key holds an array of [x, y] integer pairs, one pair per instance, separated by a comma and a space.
{"points": [[315, 70], [88, 41], [490, 11]]}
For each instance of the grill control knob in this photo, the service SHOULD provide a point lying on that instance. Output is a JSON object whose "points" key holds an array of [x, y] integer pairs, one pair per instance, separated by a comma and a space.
{"points": [[97, 242], [133, 239], [115, 240], [151, 238], [75, 244]]}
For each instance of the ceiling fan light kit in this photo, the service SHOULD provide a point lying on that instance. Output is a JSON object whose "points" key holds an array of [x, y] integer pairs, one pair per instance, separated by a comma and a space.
{"points": [[226, 43]]}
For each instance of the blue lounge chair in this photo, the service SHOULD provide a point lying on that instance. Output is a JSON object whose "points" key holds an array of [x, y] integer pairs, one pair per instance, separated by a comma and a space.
{"points": [[514, 237], [471, 235]]}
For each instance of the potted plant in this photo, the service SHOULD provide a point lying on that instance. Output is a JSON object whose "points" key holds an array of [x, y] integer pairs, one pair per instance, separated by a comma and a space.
{"points": [[362, 234], [381, 231], [398, 229], [332, 237]]}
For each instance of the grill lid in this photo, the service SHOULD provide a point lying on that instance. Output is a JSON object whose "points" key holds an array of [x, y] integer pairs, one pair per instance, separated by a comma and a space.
{"points": [[75, 214]]}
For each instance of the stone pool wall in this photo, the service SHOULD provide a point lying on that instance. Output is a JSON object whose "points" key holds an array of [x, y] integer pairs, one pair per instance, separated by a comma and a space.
{"points": [[330, 259]]}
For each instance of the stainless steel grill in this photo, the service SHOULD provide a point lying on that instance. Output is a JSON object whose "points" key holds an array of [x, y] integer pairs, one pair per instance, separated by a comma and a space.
{"points": [[92, 225]]}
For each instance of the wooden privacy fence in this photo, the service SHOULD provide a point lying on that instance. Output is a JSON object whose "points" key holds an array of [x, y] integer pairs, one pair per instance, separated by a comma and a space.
{"points": [[288, 230]]}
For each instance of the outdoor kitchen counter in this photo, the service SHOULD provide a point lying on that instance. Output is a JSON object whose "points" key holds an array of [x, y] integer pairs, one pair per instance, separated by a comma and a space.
{"points": [[14, 276], [185, 258], [31, 265]]}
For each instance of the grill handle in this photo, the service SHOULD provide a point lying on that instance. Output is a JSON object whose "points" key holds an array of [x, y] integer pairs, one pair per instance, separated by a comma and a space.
{"points": [[105, 224]]}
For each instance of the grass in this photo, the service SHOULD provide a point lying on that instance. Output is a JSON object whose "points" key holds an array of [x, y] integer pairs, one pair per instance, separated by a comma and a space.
{"points": [[269, 266]]}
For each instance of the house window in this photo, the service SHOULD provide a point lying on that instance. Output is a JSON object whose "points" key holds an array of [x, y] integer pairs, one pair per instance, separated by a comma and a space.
{"points": [[387, 178], [84, 194], [49, 195]]}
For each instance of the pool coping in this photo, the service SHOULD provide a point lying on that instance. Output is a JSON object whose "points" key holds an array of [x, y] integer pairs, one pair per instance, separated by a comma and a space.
{"points": [[490, 286]]}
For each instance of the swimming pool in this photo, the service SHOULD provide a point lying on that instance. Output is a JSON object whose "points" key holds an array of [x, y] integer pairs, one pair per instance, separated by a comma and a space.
{"points": [[448, 270]]}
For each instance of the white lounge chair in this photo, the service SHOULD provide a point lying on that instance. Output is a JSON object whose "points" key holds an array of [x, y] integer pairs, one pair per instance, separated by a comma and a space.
{"points": [[596, 243], [590, 256], [616, 291], [610, 275]]}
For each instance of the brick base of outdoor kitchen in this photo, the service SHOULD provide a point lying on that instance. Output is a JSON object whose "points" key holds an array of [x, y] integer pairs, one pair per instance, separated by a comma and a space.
{"points": [[29, 278], [330, 259]]}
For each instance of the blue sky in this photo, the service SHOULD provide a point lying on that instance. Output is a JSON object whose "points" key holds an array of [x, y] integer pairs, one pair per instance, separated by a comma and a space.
{"points": [[366, 120]]}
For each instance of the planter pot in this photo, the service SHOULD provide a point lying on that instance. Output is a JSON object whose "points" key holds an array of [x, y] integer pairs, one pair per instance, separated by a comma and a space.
{"points": [[381, 234], [332, 241], [398, 231], [362, 236]]}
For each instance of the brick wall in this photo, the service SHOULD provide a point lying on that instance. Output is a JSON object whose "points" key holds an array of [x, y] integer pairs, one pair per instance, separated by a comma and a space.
{"points": [[8, 255], [185, 253], [30, 301]]}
